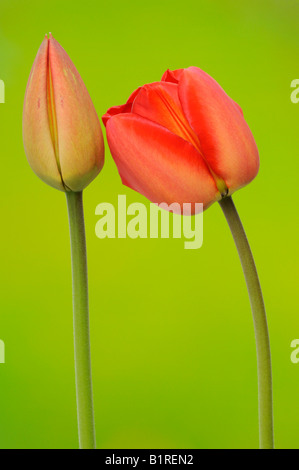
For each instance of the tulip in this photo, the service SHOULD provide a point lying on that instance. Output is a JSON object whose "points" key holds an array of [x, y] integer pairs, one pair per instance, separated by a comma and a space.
{"points": [[61, 131], [64, 145], [182, 139]]}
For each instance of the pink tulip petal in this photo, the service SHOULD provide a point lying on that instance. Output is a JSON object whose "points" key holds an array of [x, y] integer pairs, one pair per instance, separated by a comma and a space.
{"points": [[80, 141], [36, 132]]}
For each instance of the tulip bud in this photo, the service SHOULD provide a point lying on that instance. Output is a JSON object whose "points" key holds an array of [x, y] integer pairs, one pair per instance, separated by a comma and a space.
{"points": [[182, 139], [61, 131]]}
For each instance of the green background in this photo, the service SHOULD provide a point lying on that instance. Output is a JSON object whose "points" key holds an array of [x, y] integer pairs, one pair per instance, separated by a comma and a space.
{"points": [[173, 350]]}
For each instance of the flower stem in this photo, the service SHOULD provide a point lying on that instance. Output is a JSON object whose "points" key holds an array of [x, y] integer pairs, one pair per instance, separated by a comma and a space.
{"points": [[260, 323], [81, 322]]}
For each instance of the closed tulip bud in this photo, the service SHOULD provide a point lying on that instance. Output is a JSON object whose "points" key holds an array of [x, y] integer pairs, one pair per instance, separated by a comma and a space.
{"points": [[182, 139], [61, 131]]}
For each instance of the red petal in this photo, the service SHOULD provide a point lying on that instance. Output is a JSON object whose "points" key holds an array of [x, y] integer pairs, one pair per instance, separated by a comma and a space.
{"points": [[123, 108], [157, 163], [226, 140], [172, 75], [160, 103]]}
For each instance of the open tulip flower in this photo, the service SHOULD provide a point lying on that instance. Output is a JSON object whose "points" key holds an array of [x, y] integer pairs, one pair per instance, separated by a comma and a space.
{"points": [[184, 140]]}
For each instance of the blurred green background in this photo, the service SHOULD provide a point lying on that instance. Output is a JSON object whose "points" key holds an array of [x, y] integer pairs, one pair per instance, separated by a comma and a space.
{"points": [[173, 350]]}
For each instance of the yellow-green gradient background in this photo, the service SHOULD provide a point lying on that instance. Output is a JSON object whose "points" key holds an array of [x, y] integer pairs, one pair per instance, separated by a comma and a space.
{"points": [[173, 350]]}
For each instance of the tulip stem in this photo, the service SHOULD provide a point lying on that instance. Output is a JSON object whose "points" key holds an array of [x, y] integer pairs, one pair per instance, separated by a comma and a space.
{"points": [[260, 323], [81, 322]]}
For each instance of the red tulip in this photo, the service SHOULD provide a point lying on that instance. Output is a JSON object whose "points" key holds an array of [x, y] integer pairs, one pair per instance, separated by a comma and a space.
{"points": [[61, 130], [182, 139]]}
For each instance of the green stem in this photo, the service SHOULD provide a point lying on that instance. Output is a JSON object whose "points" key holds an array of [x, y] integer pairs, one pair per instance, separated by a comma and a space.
{"points": [[81, 322], [260, 323]]}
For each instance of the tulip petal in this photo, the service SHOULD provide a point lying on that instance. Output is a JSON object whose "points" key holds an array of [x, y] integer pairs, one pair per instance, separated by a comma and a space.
{"points": [[160, 103], [36, 132], [80, 140], [158, 164], [123, 108], [172, 75], [226, 140]]}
